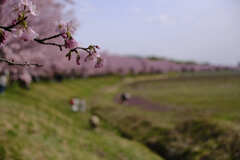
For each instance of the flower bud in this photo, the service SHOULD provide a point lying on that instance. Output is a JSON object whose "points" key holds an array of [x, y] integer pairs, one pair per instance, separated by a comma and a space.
{"points": [[69, 56], [71, 43], [99, 63], [78, 59], [97, 47], [29, 35], [89, 57]]}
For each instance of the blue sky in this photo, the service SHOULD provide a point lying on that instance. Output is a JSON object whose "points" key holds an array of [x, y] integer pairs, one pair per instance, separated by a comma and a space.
{"points": [[200, 30]]}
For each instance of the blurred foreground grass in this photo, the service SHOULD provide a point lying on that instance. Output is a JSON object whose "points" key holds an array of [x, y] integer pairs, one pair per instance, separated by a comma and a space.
{"points": [[202, 120], [38, 124]]}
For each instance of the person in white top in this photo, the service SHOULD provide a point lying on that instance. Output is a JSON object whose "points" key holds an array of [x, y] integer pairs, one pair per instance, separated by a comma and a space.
{"points": [[78, 105], [3, 81], [75, 104]]}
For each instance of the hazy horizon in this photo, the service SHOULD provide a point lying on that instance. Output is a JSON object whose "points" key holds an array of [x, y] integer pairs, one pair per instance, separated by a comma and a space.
{"points": [[200, 30]]}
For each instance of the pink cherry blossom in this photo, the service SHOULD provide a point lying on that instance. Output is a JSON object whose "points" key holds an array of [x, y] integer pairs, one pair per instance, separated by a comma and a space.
{"points": [[99, 63], [97, 55], [89, 57], [64, 27], [78, 59], [24, 2], [71, 43], [17, 32], [29, 34], [33, 9], [70, 27], [61, 28], [28, 6]]}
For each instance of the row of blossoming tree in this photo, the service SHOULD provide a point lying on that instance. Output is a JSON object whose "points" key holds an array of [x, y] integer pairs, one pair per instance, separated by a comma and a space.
{"points": [[58, 67]]}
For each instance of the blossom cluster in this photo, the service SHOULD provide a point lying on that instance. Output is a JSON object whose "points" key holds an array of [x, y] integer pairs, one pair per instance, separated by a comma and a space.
{"points": [[20, 27], [66, 30]]}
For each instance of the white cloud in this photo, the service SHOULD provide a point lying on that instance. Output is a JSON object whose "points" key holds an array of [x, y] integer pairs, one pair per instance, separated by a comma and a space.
{"points": [[136, 10], [161, 19]]}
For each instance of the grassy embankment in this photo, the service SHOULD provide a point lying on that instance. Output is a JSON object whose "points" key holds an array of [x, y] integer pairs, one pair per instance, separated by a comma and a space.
{"points": [[38, 124], [201, 120]]}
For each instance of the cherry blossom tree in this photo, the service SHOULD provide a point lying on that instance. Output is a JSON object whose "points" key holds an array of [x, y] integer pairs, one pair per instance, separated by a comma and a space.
{"points": [[22, 20]]}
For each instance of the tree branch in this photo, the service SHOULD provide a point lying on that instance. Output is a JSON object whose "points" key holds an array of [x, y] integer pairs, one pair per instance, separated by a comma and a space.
{"points": [[11, 62], [42, 41], [52, 37], [51, 44], [10, 27], [81, 48]]}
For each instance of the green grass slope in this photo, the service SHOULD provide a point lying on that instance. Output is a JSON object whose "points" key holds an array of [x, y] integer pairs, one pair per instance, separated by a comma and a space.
{"points": [[214, 96], [200, 123], [38, 124]]}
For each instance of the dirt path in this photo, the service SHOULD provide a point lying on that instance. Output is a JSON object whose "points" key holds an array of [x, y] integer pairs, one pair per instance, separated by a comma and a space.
{"points": [[136, 101]]}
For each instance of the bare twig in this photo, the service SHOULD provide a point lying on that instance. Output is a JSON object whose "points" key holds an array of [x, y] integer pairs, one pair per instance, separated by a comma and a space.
{"points": [[49, 43], [11, 62], [81, 48], [42, 41], [52, 37]]}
